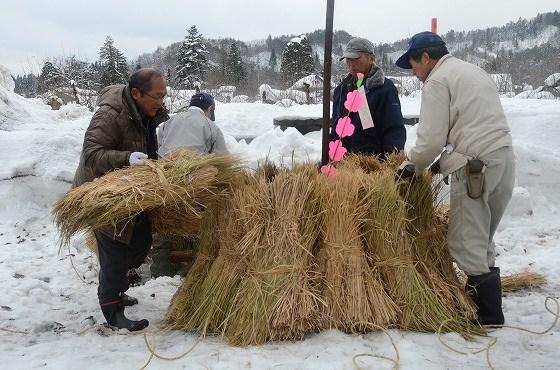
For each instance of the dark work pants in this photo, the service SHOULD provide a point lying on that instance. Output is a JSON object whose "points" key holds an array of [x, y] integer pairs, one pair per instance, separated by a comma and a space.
{"points": [[116, 258]]}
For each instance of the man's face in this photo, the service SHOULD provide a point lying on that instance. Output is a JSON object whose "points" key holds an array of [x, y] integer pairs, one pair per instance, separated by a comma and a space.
{"points": [[151, 101], [421, 68], [361, 64]]}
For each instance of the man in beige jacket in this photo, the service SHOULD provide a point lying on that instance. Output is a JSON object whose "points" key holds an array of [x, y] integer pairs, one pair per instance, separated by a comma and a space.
{"points": [[461, 118]]}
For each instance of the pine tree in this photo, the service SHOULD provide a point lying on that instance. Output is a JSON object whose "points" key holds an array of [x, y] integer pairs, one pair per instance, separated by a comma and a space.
{"points": [[297, 60], [235, 69], [26, 85], [49, 79], [191, 59], [113, 64]]}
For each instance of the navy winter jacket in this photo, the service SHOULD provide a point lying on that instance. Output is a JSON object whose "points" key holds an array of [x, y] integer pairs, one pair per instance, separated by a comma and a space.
{"points": [[388, 134]]}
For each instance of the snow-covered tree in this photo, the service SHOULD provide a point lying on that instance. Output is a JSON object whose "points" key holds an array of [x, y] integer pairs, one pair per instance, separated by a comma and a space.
{"points": [[235, 69], [114, 66], [50, 78], [273, 61], [297, 60], [191, 59]]}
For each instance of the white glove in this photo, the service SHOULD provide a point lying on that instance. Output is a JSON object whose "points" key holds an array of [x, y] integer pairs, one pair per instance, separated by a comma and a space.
{"points": [[137, 158]]}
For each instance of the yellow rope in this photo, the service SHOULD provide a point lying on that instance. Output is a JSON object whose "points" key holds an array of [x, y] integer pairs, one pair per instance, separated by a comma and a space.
{"points": [[494, 340], [396, 362], [153, 352]]}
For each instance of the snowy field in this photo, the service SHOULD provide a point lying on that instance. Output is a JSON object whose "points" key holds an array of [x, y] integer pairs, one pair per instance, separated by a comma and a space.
{"points": [[49, 313]]}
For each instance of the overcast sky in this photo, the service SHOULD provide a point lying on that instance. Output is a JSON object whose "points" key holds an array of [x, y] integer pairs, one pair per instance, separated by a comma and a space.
{"points": [[31, 31]]}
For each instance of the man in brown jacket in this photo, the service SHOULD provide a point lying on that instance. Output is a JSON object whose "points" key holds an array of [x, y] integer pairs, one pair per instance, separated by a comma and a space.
{"points": [[461, 112], [122, 133]]}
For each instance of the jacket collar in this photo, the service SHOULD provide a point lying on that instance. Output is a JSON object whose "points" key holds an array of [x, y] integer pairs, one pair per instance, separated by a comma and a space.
{"points": [[374, 78], [197, 109], [438, 64], [131, 105]]}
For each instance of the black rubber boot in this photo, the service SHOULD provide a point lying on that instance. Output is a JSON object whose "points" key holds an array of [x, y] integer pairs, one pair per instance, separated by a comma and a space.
{"points": [[486, 292], [114, 314], [128, 300]]}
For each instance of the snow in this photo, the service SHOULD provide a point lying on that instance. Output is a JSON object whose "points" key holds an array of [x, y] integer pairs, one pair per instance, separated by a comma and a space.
{"points": [[276, 95], [535, 94], [297, 39], [552, 80], [6, 80], [53, 311]]}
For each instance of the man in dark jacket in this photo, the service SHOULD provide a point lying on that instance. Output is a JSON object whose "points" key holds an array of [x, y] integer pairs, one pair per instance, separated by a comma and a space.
{"points": [[388, 133], [122, 133]]}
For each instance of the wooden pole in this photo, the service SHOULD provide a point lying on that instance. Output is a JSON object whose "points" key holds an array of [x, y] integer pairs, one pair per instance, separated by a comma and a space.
{"points": [[327, 82]]}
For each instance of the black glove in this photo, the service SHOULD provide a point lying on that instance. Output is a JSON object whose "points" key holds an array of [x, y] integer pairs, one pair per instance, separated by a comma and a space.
{"points": [[405, 172]]}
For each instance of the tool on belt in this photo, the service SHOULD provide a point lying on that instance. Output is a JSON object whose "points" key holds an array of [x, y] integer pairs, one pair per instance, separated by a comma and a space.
{"points": [[475, 178]]}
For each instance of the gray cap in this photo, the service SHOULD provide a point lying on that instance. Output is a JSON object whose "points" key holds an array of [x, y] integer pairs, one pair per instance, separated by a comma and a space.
{"points": [[356, 47]]}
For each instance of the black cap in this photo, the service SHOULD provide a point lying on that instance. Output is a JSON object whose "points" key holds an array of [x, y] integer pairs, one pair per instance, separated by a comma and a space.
{"points": [[421, 40], [202, 100]]}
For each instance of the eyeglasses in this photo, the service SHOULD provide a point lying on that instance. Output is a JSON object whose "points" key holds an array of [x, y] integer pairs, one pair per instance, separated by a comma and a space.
{"points": [[160, 98]]}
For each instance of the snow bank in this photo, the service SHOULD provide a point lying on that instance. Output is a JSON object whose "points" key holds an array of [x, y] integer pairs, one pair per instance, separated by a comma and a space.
{"points": [[534, 94], [6, 80]]}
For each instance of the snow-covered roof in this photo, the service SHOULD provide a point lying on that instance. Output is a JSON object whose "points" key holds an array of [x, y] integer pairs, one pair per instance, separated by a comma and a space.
{"points": [[297, 39], [553, 80], [229, 89], [314, 81]]}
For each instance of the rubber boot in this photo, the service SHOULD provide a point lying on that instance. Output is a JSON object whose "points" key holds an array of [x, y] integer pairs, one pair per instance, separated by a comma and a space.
{"points": [[486, 292], [128, 300], [114, 314]]}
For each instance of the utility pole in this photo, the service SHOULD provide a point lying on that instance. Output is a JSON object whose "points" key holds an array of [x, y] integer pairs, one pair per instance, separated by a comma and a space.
{"points": [[327, 82]]}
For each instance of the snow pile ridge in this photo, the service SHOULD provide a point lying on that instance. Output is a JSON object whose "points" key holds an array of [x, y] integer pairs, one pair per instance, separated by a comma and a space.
{"points": [[6, 80]]}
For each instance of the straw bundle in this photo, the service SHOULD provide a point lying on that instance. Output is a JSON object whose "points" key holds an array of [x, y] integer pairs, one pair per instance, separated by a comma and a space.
{"points": [[514, 282], [355, 300], [522, 280], [248, 322], [175, 189], [421, 308], [207, 312], [427, 228], [393, 161], [294, 235], [208, 247], [91, 241], [363, 162], [278, 298]]}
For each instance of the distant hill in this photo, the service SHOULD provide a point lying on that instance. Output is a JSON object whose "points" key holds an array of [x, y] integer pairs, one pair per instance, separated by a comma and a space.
{"points": [[526, 51], [529, 50]]}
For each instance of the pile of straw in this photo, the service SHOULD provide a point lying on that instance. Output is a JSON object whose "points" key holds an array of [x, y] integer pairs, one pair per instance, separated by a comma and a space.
{"points": [[174, 191], [286, 252], [300, 252]]}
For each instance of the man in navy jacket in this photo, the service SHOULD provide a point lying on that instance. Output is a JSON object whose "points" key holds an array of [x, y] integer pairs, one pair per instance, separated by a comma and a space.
{"points": [[388, 133]]}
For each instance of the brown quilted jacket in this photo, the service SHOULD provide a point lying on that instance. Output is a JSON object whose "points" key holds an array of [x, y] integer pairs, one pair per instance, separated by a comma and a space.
{"points": [[115, 131]]}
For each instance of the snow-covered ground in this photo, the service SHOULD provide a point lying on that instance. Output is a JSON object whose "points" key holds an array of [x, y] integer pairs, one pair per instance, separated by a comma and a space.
{"points": [[49, 310]]}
